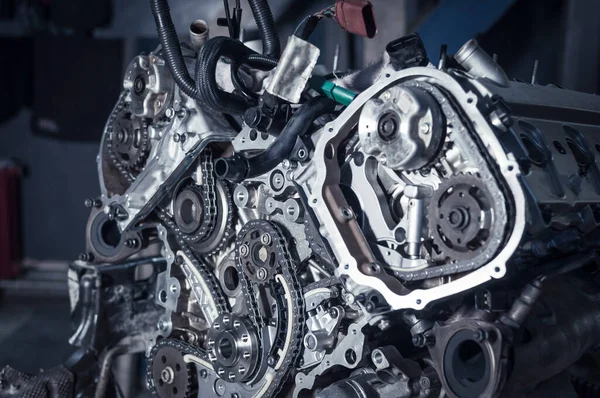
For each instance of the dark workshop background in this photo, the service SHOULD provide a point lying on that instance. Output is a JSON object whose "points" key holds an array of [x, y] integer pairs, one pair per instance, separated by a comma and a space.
{"points": [[61, 68]]}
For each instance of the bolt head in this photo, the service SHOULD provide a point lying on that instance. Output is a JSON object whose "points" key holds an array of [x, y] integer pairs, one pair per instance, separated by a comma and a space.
{"points": [[244, 250], [384, 325], [347, 213], [388, 126], [261, 274], [167, 375], [265, 239]]}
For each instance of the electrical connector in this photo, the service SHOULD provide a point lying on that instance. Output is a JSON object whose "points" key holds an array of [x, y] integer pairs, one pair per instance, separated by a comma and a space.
{"points": [[356, 17]]}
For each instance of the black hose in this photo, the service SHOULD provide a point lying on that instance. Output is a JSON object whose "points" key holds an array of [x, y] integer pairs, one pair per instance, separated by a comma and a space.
{"points": [[237, 168], [206, 67], [171, 48], [266, 26]]}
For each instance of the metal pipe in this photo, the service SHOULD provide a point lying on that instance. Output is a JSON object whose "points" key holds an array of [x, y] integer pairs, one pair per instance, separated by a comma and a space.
{"points": [[198, 34], [478, 63]]}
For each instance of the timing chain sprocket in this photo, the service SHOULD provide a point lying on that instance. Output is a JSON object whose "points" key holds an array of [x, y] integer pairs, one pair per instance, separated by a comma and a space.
{"points": [[460, 217], [172, 376], [283, 356], [203, 214], [129, 143]]}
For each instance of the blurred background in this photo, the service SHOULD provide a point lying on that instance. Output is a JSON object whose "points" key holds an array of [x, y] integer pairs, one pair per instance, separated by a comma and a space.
{"points": [[61, 72]]}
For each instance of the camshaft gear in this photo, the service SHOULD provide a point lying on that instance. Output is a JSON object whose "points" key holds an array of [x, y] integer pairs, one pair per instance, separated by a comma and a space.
{"points": [[233, 347], [171, 375], [257, 255], [203, 214], [129, 143], [460, 217]]}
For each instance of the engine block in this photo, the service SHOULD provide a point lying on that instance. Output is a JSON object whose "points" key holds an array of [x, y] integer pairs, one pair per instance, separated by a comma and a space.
{"points": [[383, 232]]}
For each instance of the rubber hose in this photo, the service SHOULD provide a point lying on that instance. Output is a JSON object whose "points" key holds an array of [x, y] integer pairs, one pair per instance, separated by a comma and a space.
{"points": [[266, 26], [257, 61], [206, 66], [238, 168], [171, 48]]}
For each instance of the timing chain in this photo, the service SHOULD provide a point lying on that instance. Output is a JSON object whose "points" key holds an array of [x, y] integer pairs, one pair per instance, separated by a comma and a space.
{"points": [[288, 272], [108, 135], [205, 271], [108, 132], [210, 200], [297, 312]]}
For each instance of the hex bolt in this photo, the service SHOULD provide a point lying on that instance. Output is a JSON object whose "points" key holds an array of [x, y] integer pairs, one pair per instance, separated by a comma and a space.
{"points": [[167, 375], [261, 274], [265, 239], [91, 202], [277, 180], [244, 250], [161, 325], [333, 312], [131, 243], [86, 256], [220, 387], [388, 126], [480, 335], [203, 373], [346, 212], [170, 112], [120, 213], [350, 299], [418, 340]]}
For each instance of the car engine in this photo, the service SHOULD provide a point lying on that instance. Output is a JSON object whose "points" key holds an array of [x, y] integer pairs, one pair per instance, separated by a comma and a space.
{"points": [[404, 230]]}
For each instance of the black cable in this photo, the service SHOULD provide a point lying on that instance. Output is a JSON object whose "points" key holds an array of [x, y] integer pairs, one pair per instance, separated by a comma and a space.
{"points": [[238, 168], [171, 48], [266, 26], [229, 21]]}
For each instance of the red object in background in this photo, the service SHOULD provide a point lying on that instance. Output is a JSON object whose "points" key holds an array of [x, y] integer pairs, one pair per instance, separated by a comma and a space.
{"points": [[10, 253], [356, 16]]}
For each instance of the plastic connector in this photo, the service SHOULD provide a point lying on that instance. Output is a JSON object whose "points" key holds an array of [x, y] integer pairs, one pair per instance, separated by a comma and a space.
{"points": [[356, 17], [332, 91]]}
